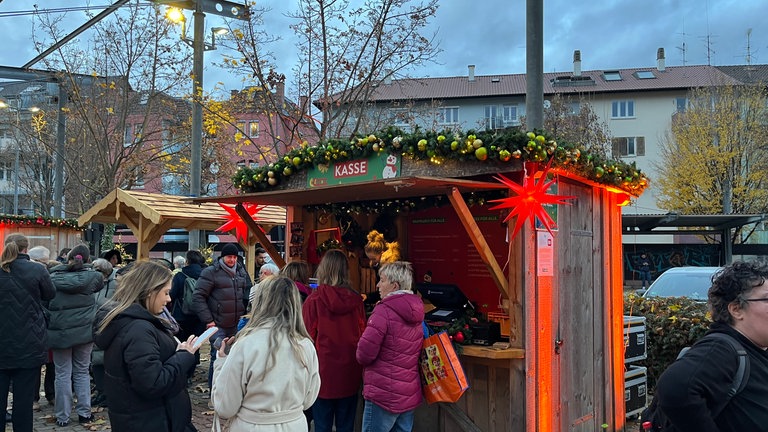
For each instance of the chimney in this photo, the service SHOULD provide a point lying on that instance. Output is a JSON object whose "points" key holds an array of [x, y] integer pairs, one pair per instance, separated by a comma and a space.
{"points": [[660, 60], [576, 63], [280, 93], [388, 77], [303, 102], [233, 94], [471, 72]]}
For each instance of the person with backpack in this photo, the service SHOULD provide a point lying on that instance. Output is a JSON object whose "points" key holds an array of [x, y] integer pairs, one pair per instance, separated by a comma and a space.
{"points": [[719, 385], [183, 288]]}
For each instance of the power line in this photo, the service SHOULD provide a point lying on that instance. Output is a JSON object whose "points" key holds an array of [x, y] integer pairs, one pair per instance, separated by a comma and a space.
{"points": [[59, 10]]}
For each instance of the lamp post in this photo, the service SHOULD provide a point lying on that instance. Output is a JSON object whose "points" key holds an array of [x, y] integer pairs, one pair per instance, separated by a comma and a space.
{"points": [[199, 46]]}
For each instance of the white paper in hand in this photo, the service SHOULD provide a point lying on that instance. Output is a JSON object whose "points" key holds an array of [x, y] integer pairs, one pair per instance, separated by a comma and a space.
{"points": [[205, 336]]}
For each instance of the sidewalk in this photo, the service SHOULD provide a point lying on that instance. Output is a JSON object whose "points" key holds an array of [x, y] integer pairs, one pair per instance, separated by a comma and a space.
{"points": [[202, 416]]}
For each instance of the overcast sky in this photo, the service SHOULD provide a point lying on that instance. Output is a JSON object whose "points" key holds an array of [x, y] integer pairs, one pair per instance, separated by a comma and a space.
{"points": [[491, 34]]}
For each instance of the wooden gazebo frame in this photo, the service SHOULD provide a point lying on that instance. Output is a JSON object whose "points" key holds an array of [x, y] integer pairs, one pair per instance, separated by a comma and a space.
{"points": [[150, 215]]}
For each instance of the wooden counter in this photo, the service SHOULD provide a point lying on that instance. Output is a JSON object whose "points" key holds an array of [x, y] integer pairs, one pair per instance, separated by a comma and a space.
{"points": [[492, 353]]}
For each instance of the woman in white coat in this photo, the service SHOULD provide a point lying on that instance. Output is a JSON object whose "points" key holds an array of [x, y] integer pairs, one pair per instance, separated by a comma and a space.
{"points": [[271, 374]]}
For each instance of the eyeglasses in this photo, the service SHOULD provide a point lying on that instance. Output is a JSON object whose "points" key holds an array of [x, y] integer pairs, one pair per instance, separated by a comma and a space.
{"points": [[757, 300]]}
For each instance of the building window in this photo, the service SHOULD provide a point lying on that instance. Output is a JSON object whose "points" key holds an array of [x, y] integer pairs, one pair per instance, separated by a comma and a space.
{"points": [[240, 130], [509, 113], [612, 76], [399, 117], [253, 131], [3, 169], [492, 119], [623, 109], [628, 146], [448, 116], [128, 140], [644, 75], [681, 104]]}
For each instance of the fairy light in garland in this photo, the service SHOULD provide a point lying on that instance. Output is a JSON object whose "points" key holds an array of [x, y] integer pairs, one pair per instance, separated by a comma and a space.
{"points": [[42, 221], [234, 221], [528, 203]]}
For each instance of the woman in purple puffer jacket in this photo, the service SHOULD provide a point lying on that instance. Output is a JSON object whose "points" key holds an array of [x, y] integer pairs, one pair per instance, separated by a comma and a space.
{"points": [[389, 352]]}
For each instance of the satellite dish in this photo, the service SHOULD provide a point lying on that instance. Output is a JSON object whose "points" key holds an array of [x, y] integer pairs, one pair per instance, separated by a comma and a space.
{"points": [[547, 103]]}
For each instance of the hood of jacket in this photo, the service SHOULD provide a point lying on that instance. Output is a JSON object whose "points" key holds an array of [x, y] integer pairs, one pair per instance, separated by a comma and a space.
{"points": [[192, 270], [338, 300], [73, 282], [133, 312], [406, 305]]}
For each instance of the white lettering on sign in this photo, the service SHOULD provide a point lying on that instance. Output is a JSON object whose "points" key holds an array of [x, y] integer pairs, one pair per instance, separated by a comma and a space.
{"points": [[351, 169]]}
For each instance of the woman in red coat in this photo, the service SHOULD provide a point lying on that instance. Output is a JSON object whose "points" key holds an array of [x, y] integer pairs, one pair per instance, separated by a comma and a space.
{"points": [[335, 318]]}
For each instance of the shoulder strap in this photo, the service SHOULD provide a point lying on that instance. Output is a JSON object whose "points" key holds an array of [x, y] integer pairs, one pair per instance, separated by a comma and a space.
{"points": [[742, 373]]}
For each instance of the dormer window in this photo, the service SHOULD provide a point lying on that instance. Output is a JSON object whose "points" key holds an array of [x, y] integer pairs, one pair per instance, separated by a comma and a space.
{"points": [[612, 75]]}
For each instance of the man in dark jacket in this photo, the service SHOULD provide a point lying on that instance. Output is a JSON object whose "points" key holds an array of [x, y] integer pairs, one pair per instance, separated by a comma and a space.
{"points": [[190, 324], [23, 335], [221, 296]]}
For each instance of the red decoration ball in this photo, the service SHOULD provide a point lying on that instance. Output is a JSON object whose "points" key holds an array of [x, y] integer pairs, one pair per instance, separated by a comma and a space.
{"points": [[459, 337]]}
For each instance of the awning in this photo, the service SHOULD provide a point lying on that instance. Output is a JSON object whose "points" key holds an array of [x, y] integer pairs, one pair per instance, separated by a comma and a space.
{"points": [[396, 188], [674, 223]]}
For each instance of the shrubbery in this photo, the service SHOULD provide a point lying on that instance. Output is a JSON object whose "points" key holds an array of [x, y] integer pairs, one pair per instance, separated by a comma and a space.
{"points": [[671, 325]]}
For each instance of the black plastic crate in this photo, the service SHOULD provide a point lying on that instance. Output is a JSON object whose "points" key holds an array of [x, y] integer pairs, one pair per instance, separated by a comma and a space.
{"points": [[634, 339], [635, 390]]}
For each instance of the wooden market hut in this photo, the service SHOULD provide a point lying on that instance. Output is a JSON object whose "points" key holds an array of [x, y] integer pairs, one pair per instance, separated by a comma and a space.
{"points": [[150, 215], [563, 368], [53, 233]]}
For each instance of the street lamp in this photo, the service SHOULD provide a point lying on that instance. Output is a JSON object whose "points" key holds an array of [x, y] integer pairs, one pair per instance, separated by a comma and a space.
{"points": [[199, 46]]}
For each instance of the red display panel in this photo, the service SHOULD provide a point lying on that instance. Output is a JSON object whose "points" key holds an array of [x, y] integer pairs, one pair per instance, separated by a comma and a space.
{"points": [[439, 245]]}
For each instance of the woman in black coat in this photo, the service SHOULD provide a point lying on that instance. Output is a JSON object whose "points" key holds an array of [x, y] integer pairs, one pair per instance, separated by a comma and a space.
{"points": [[145, 367]]}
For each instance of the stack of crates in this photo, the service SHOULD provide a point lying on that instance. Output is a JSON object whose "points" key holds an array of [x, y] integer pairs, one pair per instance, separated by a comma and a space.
{"points": [[635, 377]]}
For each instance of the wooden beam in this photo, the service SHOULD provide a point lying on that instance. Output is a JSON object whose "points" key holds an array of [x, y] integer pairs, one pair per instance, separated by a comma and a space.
{"points": [[254, 228], [476, 235]]}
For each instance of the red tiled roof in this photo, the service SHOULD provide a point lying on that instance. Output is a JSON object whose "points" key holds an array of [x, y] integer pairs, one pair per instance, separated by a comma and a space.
{"points": [[672, 78]]}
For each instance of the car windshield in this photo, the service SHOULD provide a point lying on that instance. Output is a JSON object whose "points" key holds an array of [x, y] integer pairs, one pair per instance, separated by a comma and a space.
{"points": [[691, 285]]}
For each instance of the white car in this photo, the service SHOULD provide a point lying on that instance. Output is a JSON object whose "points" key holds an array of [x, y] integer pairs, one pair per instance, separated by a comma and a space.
{"points": [[691, 282]]}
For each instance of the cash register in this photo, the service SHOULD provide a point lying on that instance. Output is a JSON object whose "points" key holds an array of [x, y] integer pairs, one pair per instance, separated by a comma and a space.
{"points": [[448, 300]]}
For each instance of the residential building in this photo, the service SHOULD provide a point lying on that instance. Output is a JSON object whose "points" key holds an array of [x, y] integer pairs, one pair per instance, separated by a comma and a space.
{"points": [[636, 104]]}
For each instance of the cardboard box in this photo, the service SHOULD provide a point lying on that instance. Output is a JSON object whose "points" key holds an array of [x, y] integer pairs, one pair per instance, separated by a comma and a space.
{"points": [[635, 390], [634, 339]]}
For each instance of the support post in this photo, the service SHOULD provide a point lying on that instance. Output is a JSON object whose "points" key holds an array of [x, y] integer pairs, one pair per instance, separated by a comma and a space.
{"points": [[198, 49]]}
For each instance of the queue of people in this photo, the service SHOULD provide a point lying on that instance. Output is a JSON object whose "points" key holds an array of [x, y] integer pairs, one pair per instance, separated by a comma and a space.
{"points": [[300, 359]]}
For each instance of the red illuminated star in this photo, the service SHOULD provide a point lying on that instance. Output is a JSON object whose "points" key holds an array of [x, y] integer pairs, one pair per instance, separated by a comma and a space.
{"points": [[235, 222], [528, 203]]}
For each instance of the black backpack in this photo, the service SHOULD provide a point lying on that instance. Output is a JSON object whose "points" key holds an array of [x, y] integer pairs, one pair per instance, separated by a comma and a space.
{"points": [[660, 423], [190, 284]]}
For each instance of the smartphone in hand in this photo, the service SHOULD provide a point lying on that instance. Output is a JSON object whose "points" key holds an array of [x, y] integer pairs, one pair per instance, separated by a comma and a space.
{"points": [[217, 345], [204, 337]]}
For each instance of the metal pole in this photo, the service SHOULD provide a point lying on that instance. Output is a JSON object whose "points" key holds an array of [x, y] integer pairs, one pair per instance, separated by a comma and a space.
{"points": [[61, 137], [198, 49], [16, 176], [534, 64]]}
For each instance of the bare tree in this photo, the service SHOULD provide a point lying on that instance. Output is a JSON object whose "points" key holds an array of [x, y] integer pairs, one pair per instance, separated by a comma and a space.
{"points": [[122, 124]]}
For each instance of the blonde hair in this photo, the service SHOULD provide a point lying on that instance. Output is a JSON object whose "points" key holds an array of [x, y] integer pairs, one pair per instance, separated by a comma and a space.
{"points": [[277, 306], [14, 245], [334, 269], [377, 245], [135, 286]]}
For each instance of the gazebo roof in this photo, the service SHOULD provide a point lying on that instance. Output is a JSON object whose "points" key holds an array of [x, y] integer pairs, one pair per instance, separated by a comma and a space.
{"points": [[150, 215]]}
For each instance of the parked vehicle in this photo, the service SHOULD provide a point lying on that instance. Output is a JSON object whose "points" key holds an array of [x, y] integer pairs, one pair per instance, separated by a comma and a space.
{"points": [[691, 282]]}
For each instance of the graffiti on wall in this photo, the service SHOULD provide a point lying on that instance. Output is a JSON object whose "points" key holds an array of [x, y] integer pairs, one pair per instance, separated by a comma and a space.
{"points": [[663, 257]]}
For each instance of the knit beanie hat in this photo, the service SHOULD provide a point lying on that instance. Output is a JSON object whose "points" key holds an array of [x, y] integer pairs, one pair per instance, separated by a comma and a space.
{"points": [[229, 249]]}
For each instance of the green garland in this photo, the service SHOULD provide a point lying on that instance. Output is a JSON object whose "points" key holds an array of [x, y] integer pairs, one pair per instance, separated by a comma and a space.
{"points": [[39, 221], [436, 147]]}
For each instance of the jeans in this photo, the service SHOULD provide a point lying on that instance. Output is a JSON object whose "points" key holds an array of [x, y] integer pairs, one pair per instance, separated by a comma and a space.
{"points": [[48, 383], [72, 370], [343, 411], [645, 277], [377, 419], [23, 395]]}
